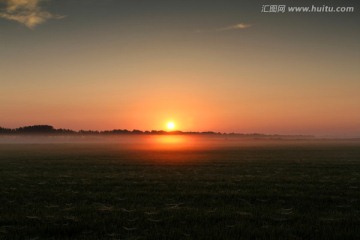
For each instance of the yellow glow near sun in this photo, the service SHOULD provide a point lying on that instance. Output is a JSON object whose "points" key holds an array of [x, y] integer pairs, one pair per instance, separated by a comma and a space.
{"points": [[170, 125]]}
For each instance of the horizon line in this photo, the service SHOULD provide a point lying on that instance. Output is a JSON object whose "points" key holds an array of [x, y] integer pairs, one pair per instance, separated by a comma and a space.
{"points": [[49, 129]]}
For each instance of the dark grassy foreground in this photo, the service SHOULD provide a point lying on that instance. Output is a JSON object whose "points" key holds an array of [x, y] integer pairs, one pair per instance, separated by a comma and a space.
{"points": [[94, 191]]}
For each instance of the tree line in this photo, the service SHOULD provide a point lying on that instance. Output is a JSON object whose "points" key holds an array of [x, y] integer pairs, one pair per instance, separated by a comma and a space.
{"points": [[47, 129], [50, 130]]}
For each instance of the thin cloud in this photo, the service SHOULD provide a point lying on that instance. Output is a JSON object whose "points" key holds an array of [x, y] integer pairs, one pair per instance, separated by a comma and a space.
{"points": [[238, 26], [27, 12]]}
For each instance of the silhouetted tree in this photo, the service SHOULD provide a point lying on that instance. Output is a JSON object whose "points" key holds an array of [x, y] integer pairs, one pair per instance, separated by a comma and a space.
{"points": [[136, 131], [5, 130], [36, 129]]}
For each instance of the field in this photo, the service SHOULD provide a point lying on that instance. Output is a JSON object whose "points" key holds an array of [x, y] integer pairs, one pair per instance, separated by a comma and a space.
{"points": [[282, 190]]}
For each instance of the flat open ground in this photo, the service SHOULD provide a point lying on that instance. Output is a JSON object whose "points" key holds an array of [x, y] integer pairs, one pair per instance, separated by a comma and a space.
{"points": [[296, 190]]}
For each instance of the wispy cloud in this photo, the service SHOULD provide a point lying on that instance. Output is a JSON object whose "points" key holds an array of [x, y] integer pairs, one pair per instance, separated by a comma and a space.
{"points": [[27, 12], [238, 26]]}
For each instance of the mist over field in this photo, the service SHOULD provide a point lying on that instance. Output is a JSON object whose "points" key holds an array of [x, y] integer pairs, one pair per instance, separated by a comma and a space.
{"points": [[188, 141]]}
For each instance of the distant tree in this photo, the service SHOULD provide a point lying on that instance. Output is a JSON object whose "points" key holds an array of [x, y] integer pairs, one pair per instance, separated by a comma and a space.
{"points": [[137, 131], [36, 129], [65, 131], [175, 132], [120, 131], [208, 132], [5, 130], [88, 132]]}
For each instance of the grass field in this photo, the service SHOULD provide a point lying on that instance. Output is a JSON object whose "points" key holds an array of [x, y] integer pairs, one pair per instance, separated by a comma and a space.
{"points": [[255, 191]]}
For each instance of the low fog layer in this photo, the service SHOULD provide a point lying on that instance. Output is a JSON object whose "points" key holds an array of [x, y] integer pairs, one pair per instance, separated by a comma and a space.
{"points": [[169, 141]]}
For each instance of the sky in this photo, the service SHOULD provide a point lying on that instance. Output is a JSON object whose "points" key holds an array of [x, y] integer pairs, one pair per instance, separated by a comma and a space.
{"points": [[206, 65]]}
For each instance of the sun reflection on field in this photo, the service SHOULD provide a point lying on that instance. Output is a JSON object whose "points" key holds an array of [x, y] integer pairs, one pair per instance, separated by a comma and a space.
{"points": [[170, 139], [170, 142]]}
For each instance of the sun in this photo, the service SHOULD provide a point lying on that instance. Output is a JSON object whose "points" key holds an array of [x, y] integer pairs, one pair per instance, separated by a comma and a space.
{"points": [[170, 125]]}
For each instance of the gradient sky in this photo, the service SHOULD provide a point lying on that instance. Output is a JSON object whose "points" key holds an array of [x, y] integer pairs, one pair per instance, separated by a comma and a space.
{"points": [[207, 65]]}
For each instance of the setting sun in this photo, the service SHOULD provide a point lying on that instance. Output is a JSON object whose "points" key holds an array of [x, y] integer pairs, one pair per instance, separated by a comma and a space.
{"points": [[170, 125]]}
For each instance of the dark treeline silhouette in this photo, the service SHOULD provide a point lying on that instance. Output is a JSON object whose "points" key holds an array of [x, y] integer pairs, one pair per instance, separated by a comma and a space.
{"points": [[47, 129], [50, 130], [36, 129]]}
